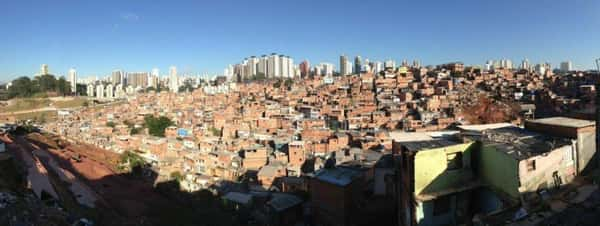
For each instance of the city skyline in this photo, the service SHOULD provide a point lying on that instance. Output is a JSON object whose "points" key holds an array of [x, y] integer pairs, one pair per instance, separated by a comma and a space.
{"points": [[205, 38]]}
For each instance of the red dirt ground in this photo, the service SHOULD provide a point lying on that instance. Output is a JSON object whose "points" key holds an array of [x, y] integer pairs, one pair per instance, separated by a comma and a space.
{"points": [[128, 198]]}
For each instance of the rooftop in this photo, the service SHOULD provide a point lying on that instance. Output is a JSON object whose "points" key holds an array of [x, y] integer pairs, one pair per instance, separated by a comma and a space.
{"points": [[282, 202], [566, 122], [400, 136], [415, 146], [482, 127], [521, 143], [340, 176]]}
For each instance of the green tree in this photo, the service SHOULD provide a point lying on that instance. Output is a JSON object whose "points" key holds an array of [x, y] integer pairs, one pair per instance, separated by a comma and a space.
{"points": [[129, 161], [110, 124], [134, 131], [177, 176], [21, 87], [288, 83], [46, 83], [157, 126], [215, 132], [62, 87], [277, 84]]}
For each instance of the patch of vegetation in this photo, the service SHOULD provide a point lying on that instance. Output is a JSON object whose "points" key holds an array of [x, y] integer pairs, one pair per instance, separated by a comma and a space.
{"points": [[76, 102], [26, 104], [215, 132], [157, 126], [111, 124], [176, 176], [26, 87], [130, 161]]}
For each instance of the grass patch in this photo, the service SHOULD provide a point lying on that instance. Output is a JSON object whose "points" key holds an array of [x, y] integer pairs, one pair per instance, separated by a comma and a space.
{"points": [[40, 116], [24, 104], [76, 102]]}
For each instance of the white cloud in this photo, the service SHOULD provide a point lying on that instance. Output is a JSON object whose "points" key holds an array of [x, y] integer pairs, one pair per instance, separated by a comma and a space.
{"points": [[130, 16]]}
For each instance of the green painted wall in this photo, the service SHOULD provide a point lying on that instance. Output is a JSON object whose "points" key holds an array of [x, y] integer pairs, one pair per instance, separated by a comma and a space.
{"points": [[431, 174], [499, 170]]}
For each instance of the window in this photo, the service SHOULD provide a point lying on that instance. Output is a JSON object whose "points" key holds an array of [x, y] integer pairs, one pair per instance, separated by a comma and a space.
{"points": [[454, 161], [441, 205], [530, 165]]}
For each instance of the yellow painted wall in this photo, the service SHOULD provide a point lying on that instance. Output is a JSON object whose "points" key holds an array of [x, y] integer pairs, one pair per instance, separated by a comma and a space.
{"points": [[431, 172]]}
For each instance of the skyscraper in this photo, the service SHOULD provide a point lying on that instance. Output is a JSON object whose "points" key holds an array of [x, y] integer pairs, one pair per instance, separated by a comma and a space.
{"points": [[389, 64], [73, 79], [284, 66], [357, 64], [137, 79], [274, 66], [566, 66], [263, 65], [155, 72], [173, 79], [525, 64], [100, 91], [344, 65], [117, 77], [377, 67], [304, 68], [251, 66], [44, 69]]}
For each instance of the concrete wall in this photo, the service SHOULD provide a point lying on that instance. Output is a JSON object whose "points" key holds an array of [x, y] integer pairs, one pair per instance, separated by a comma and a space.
{"points": [[431, 172], [499, 170], [560, 160], [586, 151], [425, 215]]}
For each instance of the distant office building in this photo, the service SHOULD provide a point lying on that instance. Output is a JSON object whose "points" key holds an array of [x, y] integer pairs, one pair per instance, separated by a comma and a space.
{"points": [[90, 90], [284, 62], [73, 79], [377, 67], [404, 63], [489, 65], [324, 69], [117, 77], [389, 64], [228, 72], [274, 66], [44, 70], [566, 66], [540, 69], [304, 68], [357, 64], [506, 64], [344, 65], [525, 64], [173, 79], [100, 91], [263, 65], [137, 79], [251, 66], [416, 64], [156, 72], [109, 91], [119, 91]]}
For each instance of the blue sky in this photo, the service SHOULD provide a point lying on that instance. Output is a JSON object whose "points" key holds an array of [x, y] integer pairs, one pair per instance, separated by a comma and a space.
{"points": [[96, 37]]}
